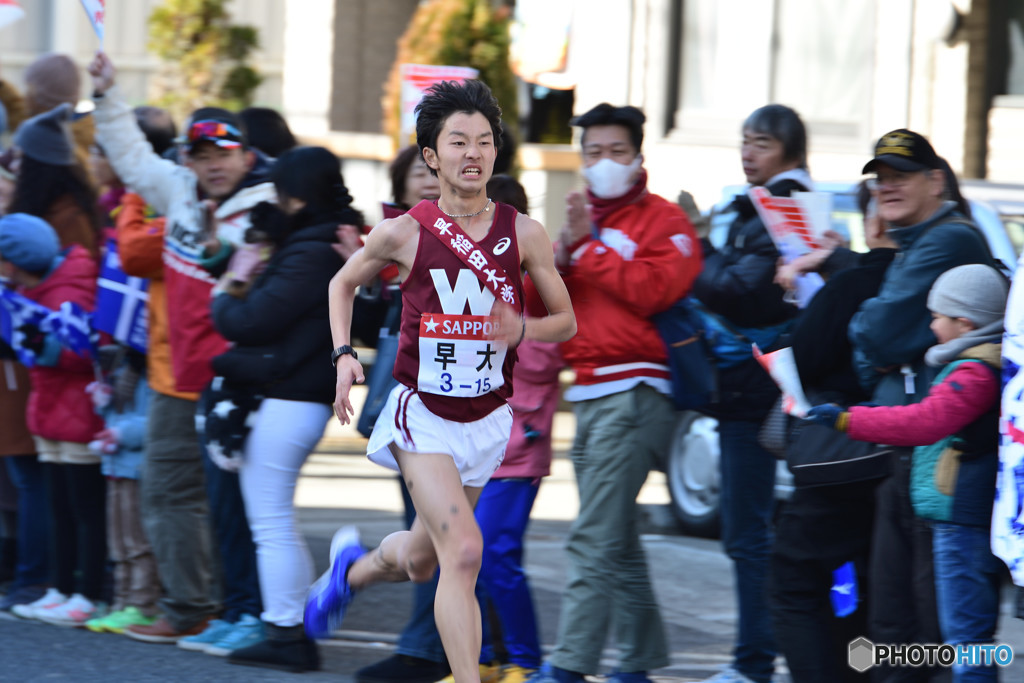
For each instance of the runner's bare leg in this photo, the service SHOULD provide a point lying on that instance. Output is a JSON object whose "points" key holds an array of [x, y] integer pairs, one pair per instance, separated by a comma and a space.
{"points": [[445, 533]]}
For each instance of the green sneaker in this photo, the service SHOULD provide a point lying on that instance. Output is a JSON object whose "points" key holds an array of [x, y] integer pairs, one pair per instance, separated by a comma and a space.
{"points": [[117, 622], [129, 616], [99, 624]]}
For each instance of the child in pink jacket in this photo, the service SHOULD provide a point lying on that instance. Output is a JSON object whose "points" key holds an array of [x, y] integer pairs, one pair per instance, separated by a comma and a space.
{"points": [[953, 469]]}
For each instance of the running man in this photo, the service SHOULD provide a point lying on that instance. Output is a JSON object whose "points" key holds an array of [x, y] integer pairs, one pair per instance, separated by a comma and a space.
{"points": [[446, 425]]}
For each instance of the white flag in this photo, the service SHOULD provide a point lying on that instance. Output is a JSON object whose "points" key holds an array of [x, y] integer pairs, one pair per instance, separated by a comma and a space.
{"points": [[10, 12], [97, 13]]}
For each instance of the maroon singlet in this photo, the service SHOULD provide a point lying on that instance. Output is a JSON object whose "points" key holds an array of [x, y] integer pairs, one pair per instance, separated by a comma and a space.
{"points": [[437, 273]]}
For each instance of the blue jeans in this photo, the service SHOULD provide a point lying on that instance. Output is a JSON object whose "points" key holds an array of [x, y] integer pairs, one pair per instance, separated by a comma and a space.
{"points": [[420, 638], [26, 474], [747, 492], [234, 540], [503, 512], [241, 582], [967, 588]]}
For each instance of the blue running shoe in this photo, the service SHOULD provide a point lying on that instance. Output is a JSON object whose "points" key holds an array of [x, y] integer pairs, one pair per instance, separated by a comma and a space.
{"points": [[549, 673], [247, 631], [628, 677], [330, 595]]}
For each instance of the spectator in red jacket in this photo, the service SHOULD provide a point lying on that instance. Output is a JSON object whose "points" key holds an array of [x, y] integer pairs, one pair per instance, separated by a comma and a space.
{"points": [[60, 417], [625, 254]]}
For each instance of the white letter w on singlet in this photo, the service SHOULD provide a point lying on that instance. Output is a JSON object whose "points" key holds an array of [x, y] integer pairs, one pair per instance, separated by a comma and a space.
{"points": [[468, 290]]}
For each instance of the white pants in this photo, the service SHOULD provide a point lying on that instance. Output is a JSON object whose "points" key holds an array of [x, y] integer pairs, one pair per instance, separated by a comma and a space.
{"points": [[285, 433]]}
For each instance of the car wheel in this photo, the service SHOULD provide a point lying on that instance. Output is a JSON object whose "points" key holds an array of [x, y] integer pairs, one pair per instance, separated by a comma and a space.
{"points": [[693, 477]]}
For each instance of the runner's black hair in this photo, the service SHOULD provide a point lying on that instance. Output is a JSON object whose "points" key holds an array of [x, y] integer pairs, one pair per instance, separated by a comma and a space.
{"points": [[450, 97]]}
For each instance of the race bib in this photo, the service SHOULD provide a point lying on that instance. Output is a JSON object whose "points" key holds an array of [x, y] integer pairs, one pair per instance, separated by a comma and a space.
{"points": [[457, 358]]}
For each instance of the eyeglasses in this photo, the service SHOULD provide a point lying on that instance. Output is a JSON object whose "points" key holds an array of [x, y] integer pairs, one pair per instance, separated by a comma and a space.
{"points": [[213, 130], [894, 180]]}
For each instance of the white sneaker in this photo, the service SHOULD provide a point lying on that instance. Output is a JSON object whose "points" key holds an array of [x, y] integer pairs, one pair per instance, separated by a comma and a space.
{"points": [[74, 612], [52, 598], [729, 675]]}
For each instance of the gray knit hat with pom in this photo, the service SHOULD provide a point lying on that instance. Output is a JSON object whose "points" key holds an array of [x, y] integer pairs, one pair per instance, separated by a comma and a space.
{"points": [[976, 292]]}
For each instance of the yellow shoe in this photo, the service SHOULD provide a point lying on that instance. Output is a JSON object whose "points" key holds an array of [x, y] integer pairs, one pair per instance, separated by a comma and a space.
{"points": [[489, 673], [513, 673]]}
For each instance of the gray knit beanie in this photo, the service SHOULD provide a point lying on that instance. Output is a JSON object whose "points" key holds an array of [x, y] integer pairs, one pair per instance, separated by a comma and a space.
{"points": [[47, 137], [976, 292]]}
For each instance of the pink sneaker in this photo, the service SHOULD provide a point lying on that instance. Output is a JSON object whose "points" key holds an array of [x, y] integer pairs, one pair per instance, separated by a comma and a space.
{"points": [[52, 598], [75, 612]]}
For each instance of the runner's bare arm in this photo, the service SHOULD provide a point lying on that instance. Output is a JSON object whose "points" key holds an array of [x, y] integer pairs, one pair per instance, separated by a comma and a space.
{"points": [[538, 259], [383, 245]]}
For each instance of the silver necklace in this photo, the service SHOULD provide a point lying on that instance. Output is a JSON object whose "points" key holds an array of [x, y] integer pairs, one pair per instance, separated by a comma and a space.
{"points": [[487, 207]]}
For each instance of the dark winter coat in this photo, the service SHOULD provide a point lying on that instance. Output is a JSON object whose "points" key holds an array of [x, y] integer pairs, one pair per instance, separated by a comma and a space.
{"points": [[738, 284], [281, 329], [893, 329], [821, 346]]}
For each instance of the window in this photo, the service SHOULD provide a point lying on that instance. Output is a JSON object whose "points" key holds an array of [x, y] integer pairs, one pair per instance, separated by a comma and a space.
{"points": [[817, 57]]}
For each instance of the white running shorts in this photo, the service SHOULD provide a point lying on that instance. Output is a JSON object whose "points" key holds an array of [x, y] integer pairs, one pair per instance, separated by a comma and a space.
{"points": [[476, 447]]}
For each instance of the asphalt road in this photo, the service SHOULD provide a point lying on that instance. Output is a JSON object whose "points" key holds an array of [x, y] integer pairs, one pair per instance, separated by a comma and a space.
{"points": [[692, 579]]}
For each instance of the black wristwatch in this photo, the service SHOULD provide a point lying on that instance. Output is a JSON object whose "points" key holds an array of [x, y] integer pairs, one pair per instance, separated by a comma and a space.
{"points": [[341, 351]]}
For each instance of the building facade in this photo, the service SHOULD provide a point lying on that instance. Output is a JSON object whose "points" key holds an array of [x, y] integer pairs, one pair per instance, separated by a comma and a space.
{"points": [[854, 70]]}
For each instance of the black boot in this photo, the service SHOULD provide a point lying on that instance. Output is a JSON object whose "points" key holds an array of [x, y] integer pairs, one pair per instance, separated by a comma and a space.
{"points": [[287, 648], [403, 669]]}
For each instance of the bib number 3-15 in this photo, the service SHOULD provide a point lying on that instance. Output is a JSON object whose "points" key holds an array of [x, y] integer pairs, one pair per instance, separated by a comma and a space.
{"points": [[456, 356]]}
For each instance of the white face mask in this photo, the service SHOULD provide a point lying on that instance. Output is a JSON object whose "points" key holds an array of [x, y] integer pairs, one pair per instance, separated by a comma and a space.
{"points": [[609, 179]]}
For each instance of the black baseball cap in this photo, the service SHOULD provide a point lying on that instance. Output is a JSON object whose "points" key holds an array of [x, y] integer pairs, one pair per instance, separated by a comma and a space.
{"points": [[904, 150]]}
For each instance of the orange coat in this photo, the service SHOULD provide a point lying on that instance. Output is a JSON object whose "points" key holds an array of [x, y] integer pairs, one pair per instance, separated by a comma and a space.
{"points": [[140, 246]]}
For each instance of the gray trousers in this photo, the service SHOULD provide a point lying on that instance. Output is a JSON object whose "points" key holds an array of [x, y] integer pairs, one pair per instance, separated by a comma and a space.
{"points": [[619, 439], [175, 510]]}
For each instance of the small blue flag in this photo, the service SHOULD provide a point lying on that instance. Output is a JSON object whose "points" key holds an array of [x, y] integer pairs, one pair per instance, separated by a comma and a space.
{"points": [[121, 303], [72, 326], [844, 590], [15, 312]]}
